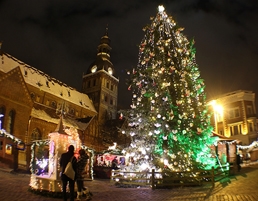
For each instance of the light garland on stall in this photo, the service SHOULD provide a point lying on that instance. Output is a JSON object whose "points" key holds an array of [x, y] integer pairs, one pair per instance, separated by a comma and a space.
{"points": [[251, 146], [9, 136], [91, 159]]}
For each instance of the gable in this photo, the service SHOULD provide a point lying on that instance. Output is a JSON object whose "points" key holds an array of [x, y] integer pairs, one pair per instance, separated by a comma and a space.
{"points": [[13, 87]]}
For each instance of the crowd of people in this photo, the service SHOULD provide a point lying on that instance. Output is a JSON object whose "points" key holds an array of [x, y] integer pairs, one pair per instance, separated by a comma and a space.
{"points": [[78, 165]]}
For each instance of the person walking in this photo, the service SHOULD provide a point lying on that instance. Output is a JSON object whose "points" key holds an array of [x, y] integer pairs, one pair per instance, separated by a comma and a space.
{"points": [[114, 164], [64, 160], [81, 164]]}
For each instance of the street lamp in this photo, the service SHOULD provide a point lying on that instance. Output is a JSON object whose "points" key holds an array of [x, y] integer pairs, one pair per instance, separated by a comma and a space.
{"points": [[218, 113]]}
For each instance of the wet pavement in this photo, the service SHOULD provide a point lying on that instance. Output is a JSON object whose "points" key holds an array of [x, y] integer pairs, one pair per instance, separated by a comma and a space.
{"points": [[239, 187]]}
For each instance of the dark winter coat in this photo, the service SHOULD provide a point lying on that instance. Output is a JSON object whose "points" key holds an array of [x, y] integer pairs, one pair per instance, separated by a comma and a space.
{"points": [[65, 158], [81, 164]]}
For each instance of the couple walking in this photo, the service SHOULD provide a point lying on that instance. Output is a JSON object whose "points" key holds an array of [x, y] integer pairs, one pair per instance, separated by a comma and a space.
{"points": [[79, 168]]}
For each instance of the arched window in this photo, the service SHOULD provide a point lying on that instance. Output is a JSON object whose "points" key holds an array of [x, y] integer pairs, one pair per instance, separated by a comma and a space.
{"points": [[10, 122], [36, 134], [2, 112]]}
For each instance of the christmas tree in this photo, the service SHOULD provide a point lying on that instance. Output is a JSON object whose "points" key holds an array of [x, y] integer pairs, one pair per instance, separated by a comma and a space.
{"points": [[169, 122]]}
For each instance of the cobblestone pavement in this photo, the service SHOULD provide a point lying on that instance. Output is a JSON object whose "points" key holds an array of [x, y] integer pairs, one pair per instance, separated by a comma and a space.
{"points": [[240, 187]]}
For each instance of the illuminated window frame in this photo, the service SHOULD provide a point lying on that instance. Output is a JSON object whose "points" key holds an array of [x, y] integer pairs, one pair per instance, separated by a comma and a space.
{"points": [[233, 113]]}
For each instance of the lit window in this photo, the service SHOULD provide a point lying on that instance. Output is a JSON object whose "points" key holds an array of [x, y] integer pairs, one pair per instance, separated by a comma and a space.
{"points": [[234, 113], [110, 71], [236, 129], [47, 102]]}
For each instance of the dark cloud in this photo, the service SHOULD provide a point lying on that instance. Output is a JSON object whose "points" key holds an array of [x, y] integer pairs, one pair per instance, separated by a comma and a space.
{"points": [[60, 37]]}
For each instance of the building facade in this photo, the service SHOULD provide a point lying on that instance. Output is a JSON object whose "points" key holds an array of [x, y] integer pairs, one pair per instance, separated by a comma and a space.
{"points": [[31, 103], [234, 116]]}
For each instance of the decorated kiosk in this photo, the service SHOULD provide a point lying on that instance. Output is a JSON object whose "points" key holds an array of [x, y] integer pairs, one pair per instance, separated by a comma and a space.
{"points": [[45, 168], [104, 162]]}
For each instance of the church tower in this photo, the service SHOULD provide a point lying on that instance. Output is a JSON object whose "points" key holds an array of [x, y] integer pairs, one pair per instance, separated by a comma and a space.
{"points": [[101, 84]]}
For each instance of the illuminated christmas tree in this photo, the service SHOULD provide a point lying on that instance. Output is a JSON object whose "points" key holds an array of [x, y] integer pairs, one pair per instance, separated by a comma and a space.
{"points": [[168, 120]]}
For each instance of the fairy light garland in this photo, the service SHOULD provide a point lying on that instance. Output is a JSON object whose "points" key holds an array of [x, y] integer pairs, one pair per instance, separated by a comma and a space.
{"points": [[9, 136]]}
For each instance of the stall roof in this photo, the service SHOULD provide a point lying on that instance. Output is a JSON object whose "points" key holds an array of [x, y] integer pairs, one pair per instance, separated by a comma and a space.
{"points": [[222, 137]]}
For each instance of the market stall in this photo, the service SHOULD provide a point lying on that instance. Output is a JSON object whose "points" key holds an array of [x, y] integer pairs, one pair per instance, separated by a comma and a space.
{"points": [[108, 160], [45, 157]]}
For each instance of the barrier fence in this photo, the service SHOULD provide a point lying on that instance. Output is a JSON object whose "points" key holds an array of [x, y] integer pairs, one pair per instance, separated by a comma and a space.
{"points": [[168, 179]]}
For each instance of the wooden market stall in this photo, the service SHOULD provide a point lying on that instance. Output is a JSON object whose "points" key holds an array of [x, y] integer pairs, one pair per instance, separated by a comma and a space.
{"points": [[104, 162]]}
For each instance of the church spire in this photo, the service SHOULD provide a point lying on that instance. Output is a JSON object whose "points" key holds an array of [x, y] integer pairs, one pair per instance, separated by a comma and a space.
{"points": [[60, 126], [104, 48]]}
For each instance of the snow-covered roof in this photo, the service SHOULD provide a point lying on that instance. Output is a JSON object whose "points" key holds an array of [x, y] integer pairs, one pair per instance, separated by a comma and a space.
{"points": [[44, 82], [41, 114]]}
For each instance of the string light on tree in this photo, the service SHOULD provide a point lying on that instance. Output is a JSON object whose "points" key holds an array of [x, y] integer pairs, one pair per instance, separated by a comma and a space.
{"points": [[168, 118]]}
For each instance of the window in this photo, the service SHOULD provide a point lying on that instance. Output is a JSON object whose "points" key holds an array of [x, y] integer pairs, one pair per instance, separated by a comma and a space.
{"points": [[47, 103], [111, 101], [107, 85], [10, 122], [94, 82], [2, 112], [249, 110], [112, 87], [89, 84], [234, 113], [236, 129], [251, 126], [219, 117], [36, 135], [106, 98]]}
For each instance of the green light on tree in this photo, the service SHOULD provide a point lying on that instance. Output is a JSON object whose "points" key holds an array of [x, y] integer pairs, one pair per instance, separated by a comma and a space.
{"points": [[168, 121]]}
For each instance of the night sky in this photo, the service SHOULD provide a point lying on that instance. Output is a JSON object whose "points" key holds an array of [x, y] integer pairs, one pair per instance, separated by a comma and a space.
{"points": [[60, 37]]}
